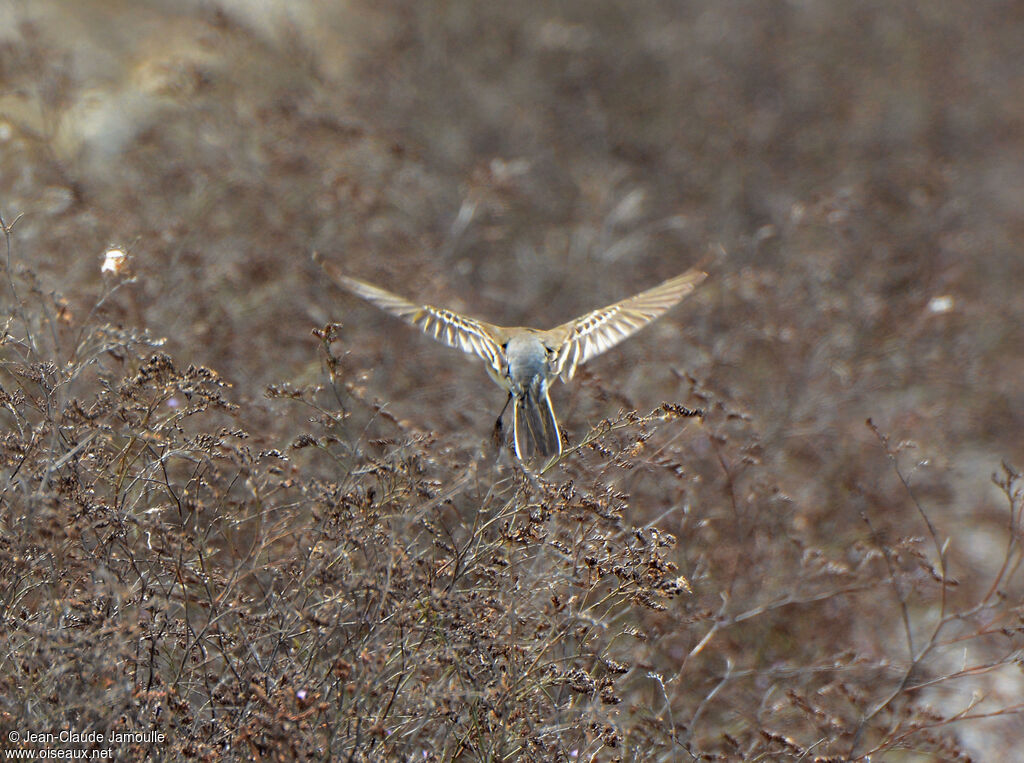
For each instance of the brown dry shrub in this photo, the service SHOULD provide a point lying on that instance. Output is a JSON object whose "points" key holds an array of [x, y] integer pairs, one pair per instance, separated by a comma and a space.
{"points": [[368, 591]]}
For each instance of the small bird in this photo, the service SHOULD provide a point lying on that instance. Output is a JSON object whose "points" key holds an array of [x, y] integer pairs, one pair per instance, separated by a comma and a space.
{"points": [[525, 361]]}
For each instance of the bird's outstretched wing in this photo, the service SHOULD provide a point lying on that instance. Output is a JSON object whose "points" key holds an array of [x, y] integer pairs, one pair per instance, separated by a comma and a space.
{"points": [[593, 333], [466, 334]]}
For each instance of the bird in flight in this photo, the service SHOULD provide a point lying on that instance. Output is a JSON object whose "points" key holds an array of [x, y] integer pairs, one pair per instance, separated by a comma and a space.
{"points": [[525, 361]]}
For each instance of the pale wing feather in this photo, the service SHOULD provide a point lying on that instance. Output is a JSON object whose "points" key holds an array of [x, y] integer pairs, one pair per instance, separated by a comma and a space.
{"points": [[600, 330], [466, 334]]}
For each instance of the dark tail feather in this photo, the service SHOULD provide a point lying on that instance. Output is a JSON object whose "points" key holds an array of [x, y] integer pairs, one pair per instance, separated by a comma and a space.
{"points": [[536, 429]]}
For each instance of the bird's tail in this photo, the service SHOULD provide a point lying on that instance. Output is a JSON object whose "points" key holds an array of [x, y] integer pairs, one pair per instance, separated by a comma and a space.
{"points": [[536, 428]]}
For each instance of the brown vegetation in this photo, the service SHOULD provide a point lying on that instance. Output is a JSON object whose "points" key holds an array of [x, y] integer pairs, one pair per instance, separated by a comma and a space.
{"points": [[261, 519]]}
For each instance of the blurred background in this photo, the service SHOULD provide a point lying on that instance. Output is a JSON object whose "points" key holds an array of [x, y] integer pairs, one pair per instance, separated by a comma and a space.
{"points": [[851, 175]]}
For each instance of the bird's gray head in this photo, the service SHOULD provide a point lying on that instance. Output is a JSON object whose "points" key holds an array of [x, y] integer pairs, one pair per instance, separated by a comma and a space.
{"points": [[527, 359]]}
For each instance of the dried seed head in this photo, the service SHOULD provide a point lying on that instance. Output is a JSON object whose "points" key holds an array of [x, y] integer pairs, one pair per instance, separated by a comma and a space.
{"points": [[115, 262]]}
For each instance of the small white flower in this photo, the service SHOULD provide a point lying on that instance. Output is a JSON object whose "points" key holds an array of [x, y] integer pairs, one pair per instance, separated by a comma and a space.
{"points": [[941, 304], [114, 261]]}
